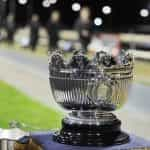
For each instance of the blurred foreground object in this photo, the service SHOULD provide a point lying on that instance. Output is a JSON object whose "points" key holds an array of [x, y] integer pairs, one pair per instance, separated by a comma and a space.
{"points": [[16, 139], [9, 136], [31, 145]]}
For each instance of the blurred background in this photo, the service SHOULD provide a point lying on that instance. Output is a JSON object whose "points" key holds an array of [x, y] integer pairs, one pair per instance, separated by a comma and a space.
{"points": [[29, 29]]}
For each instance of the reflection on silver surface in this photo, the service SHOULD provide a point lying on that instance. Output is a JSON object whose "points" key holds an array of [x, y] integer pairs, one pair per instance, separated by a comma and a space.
{"points": [[93, 89]]}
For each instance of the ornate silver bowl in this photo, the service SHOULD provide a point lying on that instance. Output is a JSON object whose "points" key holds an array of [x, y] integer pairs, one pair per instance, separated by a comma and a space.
{"points": [[78, 90]]}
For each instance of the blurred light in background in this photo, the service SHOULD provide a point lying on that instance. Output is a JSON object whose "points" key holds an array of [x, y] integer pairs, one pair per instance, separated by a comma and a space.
{"points": [[144, 12], [4, 0], [76, 7], [106, 10], [98, 21], [53, 1], [22, 2], [46, 3]]}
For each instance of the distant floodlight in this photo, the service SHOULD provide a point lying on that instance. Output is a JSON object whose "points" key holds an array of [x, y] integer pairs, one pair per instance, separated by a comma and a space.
{"points": [[144, 12], [22, 2], [98, 21], [106, 10], [76, 7], [46, 3]]}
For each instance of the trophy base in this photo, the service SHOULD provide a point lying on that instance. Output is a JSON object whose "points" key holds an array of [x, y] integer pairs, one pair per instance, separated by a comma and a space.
{"points": [[101, 133]]}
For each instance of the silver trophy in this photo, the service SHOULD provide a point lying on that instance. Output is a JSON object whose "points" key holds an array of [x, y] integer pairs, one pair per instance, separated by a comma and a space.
{"points": [[91, 89]]}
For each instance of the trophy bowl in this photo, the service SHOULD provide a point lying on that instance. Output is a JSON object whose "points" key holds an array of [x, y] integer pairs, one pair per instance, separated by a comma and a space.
{"points": [[90, 90]]}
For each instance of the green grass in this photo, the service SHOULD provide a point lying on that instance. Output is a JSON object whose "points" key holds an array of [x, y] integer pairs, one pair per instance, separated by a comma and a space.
{"points": [[15, 105]]}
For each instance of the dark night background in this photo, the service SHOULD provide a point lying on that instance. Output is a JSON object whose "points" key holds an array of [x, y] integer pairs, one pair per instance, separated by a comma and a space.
{"points": [[125, 13]]}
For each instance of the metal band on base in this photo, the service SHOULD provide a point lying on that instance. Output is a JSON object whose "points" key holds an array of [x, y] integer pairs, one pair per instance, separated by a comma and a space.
{"points": [[91, 135]]}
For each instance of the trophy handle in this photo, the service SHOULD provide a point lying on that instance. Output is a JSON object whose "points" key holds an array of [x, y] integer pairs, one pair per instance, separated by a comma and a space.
{"points": [[92, 92]]}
